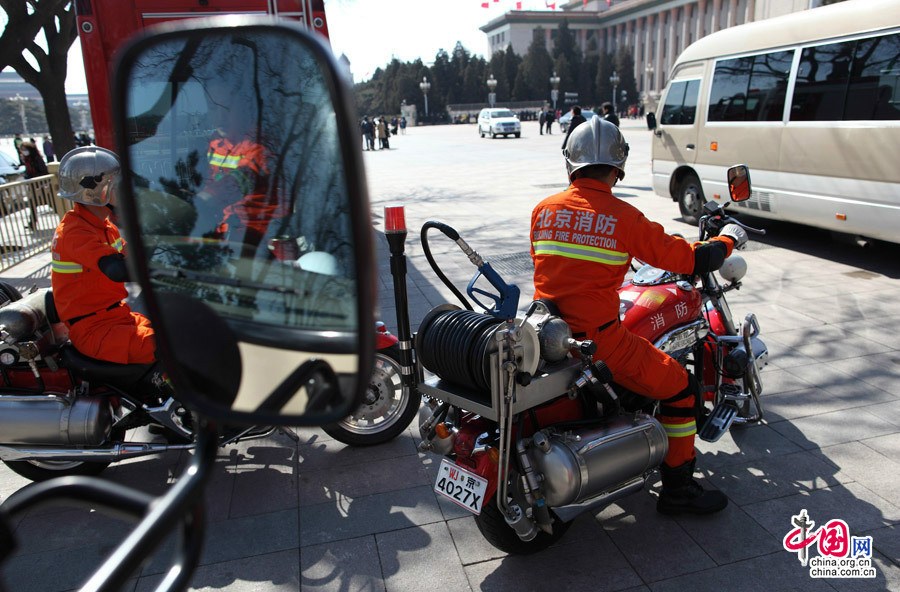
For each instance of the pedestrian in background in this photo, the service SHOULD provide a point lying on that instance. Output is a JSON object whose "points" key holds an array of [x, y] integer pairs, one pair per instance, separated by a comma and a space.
{"points": [[577, 119], [542, 120], [610, 115], [48, 149], [402, 124], [34, 167], [17, 143], [551, 116]]}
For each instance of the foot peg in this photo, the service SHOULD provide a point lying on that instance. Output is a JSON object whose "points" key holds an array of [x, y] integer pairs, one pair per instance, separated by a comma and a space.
{"points": [[718, 421]]}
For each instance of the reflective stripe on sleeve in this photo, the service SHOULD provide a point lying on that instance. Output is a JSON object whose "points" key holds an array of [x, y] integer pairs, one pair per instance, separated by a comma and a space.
{"points": [[583, 253], [680, 430], [65, 267], [226, 161]]}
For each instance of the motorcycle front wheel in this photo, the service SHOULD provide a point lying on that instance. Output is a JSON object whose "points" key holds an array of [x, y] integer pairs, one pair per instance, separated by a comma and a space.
{"points": [[388, 407], [497, 532]]}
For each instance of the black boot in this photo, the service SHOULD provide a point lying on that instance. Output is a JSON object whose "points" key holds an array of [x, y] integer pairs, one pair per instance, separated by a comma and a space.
{"points": [[682, 495]]}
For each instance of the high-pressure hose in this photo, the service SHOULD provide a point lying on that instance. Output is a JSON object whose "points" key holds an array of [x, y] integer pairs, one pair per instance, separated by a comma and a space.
{"points": [[454, 236]]}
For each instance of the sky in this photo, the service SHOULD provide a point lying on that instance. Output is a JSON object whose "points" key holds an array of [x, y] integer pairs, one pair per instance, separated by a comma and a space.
{"points": [[372, 32]]}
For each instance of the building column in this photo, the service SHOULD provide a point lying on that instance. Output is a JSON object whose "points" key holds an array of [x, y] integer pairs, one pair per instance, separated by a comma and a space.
{"points": [[686, 27], [732, 13], [629, 32], [750, 15], [701, 18], [671, 27], [716, 11], [658, 64], [648, 49]]}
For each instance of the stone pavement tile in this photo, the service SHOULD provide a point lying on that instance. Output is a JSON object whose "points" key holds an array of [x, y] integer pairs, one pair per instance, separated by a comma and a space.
{"points": [[836, 427], [861, 509], [742, 444], [35, 563], [868, 467], [878, 330], [777, 380], [773, 315], [833, 378], [260, 573], [773, 477], [229, 540], [421, 558], [339, 566], [264, 466], [873, 371], [730, 535], [470, 543], [852, 346], [777, 572], [886, 541], [802, 403], [219, 490], [785, 356], [361, 479], [806, 335], [888, 445], [584, 559], [321, 454], [656, 546], [344, 518]]}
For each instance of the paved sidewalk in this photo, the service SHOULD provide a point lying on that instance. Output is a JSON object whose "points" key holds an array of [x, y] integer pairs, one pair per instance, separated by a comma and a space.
{"points": [[319, 516]]}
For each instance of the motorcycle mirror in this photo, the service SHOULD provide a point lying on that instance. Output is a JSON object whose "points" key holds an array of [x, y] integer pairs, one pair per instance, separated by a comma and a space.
{"points": [[243, 193], [739, 182]]}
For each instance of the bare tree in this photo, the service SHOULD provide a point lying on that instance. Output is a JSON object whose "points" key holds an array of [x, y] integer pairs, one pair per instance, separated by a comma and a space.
{"points": [[56, 18]]}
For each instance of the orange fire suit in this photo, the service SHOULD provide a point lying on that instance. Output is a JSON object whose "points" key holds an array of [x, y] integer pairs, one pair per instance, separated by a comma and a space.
{"points": [[100, 324], [239, 182], [582, 243]]}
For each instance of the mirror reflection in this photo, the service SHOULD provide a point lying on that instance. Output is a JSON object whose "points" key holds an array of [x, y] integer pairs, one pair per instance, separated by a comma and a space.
{"points": [[239, 185], [739, 183]]}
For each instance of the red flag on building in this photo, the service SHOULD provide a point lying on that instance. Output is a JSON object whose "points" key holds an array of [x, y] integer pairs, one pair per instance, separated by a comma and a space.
{"points": [[485, 4], [518, 6], [551, 6]]}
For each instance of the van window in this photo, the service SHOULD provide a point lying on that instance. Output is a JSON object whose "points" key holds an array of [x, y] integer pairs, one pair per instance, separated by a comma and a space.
{"points": [[851, 80], [750, 88], [681, 103]]}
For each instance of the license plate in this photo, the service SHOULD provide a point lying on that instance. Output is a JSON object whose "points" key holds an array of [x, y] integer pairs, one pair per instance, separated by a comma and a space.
{"points": [[462, 487]]}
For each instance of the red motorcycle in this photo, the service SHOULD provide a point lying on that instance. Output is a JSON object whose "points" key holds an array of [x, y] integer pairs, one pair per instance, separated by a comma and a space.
{"points": [[533, 432]]}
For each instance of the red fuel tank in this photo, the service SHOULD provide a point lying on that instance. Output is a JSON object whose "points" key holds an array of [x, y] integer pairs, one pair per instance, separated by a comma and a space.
{"points": [[650, 310]]}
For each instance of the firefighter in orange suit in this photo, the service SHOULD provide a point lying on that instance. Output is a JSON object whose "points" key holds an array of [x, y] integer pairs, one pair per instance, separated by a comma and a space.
{"points": [[88, 264], [582, 243]]}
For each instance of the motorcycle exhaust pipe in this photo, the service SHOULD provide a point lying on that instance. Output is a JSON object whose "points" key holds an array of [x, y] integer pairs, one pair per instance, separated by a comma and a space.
{"points": [[118, 452]]}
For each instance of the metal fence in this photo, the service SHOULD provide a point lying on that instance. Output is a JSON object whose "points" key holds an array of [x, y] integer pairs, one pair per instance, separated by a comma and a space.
{"points": [[29, 213]]}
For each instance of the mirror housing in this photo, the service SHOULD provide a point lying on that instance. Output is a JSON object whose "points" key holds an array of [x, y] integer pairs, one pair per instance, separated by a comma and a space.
{"points": [[739, 182], [237, 165], [651, 121]]}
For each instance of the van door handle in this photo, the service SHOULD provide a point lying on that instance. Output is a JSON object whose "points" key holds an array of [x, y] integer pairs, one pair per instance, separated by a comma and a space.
{"points": [[690, 146]]}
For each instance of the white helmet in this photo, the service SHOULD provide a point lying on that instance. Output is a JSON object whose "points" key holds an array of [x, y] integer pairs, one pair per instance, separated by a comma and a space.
{"points": [[89, 175], [596, 141], [734, 268]]}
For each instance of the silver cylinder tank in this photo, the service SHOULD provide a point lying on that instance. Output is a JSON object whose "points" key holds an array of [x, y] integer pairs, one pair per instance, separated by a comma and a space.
{"points": [[53, 420], [23, 317], [580, 464]]}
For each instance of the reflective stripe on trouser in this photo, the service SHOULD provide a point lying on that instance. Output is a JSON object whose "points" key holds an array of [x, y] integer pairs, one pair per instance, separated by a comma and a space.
{"points": [[640, 367]]}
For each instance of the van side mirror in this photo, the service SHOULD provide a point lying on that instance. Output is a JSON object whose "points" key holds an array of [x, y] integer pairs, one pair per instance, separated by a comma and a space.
{"points": [[739, 182], [243, 197], [651, 121]]}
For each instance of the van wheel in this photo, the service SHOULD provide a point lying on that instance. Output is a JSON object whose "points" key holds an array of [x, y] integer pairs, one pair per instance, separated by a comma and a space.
{"points": [[480, 131], [690, 198], [519, 135], [492, 135]]}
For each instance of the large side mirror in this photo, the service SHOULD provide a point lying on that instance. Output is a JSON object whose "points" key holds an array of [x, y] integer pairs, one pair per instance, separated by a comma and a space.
{"points": [[651, 121], [243, 193], [739, 182]]}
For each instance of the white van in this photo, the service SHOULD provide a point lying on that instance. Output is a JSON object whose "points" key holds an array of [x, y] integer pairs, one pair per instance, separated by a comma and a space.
{"points": [[498, 122], [810, 101]]}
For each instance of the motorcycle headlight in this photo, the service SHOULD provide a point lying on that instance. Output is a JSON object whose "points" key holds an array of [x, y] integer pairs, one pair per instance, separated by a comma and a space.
{"points": [[734, 268]]}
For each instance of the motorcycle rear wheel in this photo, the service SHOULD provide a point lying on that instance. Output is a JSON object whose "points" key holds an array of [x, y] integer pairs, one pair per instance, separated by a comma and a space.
{"points": [[388, 409], [42, 470], [497, 532]]}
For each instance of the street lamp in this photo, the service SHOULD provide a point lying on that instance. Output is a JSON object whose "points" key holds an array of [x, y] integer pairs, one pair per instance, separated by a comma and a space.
{"points": [[492, 85], [554, 94], [21, 100], [425, 86], [82, 112], [648, 70], [614, 80]]}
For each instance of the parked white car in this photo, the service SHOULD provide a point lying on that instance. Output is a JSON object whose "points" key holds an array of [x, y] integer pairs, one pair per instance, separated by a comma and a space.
{"points": [[498, 122]]}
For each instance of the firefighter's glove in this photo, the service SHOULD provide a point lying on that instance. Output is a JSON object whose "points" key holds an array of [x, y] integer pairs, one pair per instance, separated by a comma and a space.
{"points": [[737, 234]]}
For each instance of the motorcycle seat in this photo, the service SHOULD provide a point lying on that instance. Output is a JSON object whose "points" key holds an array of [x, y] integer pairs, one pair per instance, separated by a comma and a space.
{"points": [[121, 375]]}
